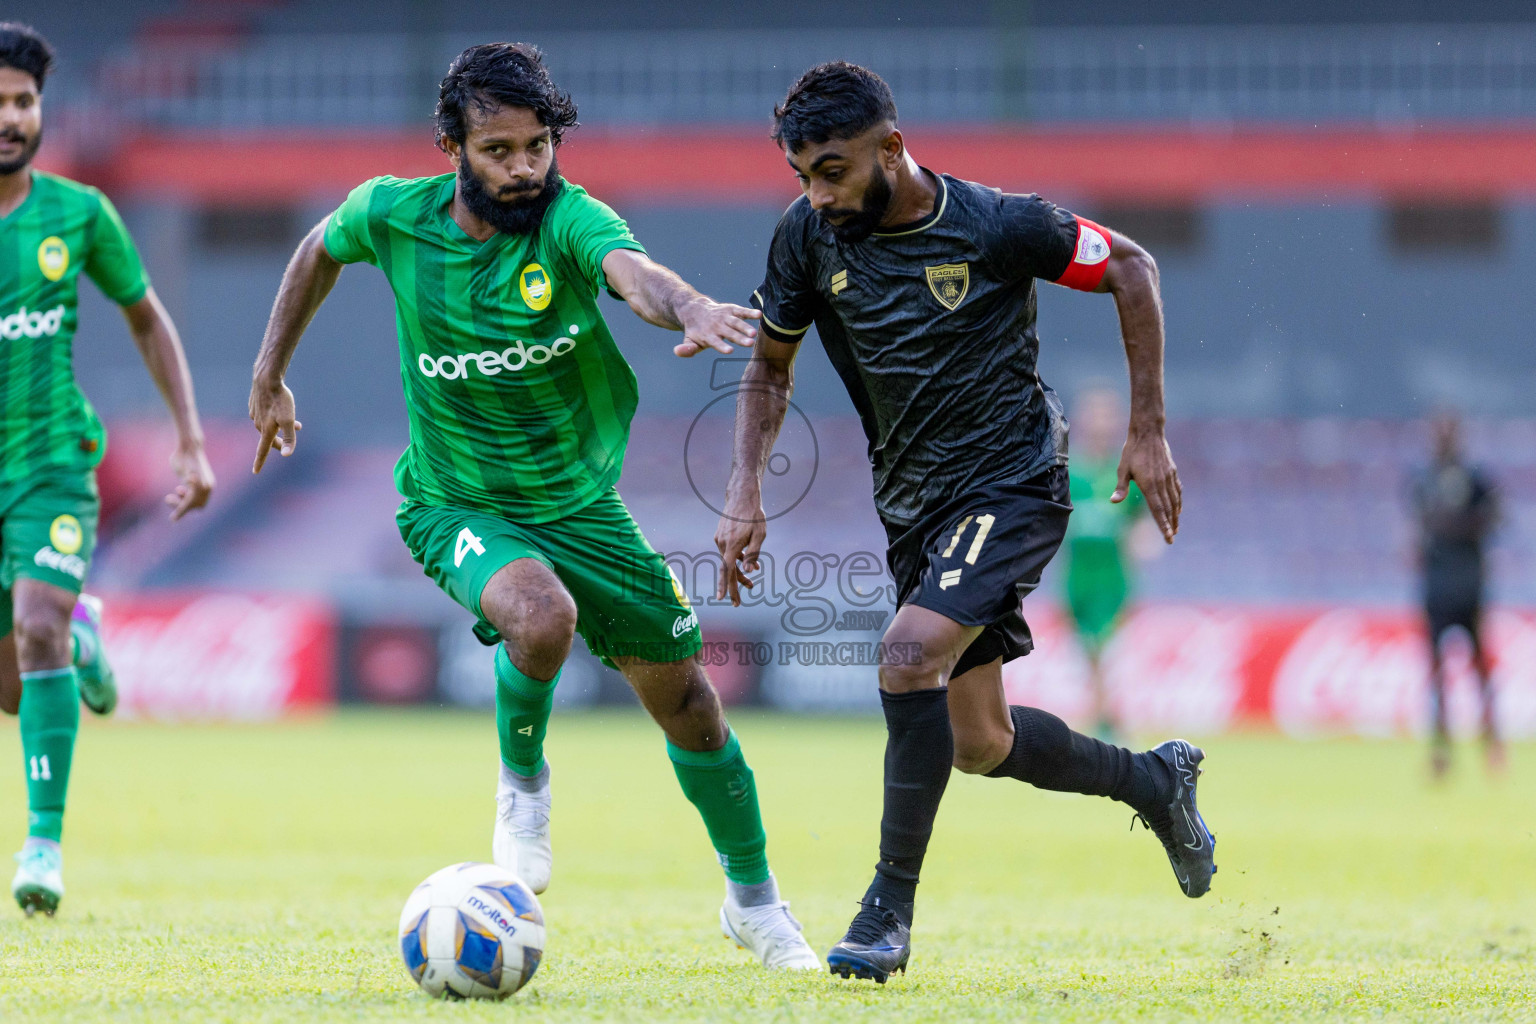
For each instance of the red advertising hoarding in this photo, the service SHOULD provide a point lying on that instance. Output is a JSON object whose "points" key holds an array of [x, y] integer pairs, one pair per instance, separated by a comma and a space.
{"points": [[220, 655], [1203, 669], [1199, 669]]}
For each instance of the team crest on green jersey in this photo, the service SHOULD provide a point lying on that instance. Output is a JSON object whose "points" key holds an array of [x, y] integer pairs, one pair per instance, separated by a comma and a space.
{"points": [[536, 286], [53, 257], [949, 282]]}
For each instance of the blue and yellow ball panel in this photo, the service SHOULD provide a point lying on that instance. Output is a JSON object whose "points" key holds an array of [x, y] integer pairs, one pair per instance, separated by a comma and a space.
{"points": [[518, 900], [413, 947], [531, 958], [478, 952]]}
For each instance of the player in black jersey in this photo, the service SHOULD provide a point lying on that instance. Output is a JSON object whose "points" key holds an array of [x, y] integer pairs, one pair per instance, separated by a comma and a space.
{"points": [[1457, 509], [922, 289]]}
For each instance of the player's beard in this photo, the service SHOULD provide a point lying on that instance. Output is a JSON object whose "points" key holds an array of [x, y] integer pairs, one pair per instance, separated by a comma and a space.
{"points": [[28, 150], [862, 223], [522, 213]]}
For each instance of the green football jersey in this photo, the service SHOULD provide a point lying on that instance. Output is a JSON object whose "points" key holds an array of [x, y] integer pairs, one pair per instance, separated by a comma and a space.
{"points": [[1098, 530], [518, 398], [60, 229]]}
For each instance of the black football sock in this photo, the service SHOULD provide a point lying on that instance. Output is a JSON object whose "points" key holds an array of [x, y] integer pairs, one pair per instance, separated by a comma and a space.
{"points": [[919, 751], [1049, 755]]}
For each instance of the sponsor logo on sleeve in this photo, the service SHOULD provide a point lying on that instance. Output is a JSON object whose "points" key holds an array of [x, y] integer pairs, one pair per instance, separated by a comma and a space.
{"points": [[53, 257]]}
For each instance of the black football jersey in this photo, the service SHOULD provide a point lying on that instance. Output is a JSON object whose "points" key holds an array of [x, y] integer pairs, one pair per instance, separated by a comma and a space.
{"points": [[1456, 507], [931, 327]]}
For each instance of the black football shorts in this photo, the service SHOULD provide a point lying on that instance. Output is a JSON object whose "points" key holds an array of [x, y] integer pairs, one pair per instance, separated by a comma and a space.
{"points": [[1445, 613], [975, 558]]}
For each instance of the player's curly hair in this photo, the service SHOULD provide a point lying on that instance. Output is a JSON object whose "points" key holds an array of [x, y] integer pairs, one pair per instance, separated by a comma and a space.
{"points": [[23, 48], [835, 100], [493, 75]]}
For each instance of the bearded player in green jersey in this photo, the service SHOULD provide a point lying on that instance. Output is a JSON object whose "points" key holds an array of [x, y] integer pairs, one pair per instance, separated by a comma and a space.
{"points": [[519, 405], [51, 657], [1103, 539]]}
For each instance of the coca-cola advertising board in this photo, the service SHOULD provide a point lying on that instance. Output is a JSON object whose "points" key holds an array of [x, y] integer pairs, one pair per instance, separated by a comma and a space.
{"points": [[1202, 669], [220, 655]]}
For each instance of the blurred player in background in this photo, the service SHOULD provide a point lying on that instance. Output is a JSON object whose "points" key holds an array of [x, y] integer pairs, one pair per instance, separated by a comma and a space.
{"points": [[1105, 537], [922, 289], [51, 656], [520, 405], [1457, 509]]}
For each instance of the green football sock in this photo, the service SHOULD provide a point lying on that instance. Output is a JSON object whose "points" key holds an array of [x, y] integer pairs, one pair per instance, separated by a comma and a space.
{"points": [[50, 717], [523, 705], [720, 785]]}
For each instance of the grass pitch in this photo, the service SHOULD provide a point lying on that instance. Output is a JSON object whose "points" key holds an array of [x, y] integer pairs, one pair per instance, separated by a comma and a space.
{"points": [[256, 874]]}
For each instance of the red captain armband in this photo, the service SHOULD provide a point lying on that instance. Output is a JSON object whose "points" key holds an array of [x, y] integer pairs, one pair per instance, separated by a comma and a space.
{"points": [[1091, 258]]}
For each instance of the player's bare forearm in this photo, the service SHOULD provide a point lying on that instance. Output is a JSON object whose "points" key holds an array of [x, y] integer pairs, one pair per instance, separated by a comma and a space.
{"points": [[658, 296], [310, 276], [1132, 278], [160, 346], [760, 407]]}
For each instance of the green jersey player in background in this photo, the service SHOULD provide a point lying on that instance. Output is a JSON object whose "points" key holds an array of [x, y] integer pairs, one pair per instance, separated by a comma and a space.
{"points": [[52, 230], [519, 406], [1104, 539]]}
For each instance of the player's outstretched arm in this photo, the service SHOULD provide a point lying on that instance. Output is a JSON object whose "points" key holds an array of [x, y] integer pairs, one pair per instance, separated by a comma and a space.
{"points": [[308, 280], [160, 346], [658, 296], [1131, 277], [760, 406]]}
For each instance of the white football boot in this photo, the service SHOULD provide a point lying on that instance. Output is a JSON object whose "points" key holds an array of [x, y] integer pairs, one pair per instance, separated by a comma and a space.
{"points": [[770, 933], [520, 840], [98, 683], [39, 881]]}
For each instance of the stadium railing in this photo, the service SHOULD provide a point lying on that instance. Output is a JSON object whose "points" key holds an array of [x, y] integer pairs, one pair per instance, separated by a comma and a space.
{"points": [[1391, 74]]}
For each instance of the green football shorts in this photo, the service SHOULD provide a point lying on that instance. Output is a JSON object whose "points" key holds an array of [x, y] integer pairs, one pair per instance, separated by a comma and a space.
{"points": [[628, 603], [1095, 604], [47, 533]]}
